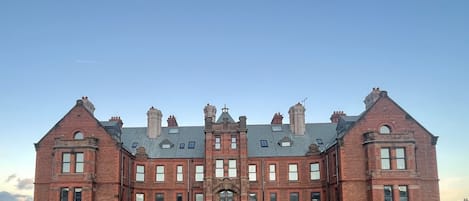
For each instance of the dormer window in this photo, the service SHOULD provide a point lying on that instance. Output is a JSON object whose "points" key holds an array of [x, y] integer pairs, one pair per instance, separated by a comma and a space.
{"points": [[78, 136], [173, 130], [285, 142], [166, 144], [276, 128], [385, 129]]}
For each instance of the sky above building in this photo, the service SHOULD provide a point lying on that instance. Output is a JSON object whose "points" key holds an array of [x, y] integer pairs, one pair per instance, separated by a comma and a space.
{"points": [[257, 57]]}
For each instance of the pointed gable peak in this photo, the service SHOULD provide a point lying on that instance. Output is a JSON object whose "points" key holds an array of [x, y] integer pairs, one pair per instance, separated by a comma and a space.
{"points": [[225, 116]]}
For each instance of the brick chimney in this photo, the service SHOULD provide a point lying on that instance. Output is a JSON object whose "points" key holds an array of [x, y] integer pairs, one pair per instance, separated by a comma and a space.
{"points": [[88, 104], [336, 116], [372, 98], [277, 119], [118, 120], [210, 111], [172, 121], [297, 119], [154, 122]]}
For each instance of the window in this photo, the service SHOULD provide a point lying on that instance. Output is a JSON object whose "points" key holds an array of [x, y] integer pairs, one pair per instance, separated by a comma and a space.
{"points": [[388, 193], [272, 175], [159, 197], [276, 128], [179, 197], [293, 172], [78, 136], [385, 159], [252, 172], [264, 143], [400, 159], [219, 168], [64, 194], [252, 197], [385, 129], [286, 144], [139, 197], [403, 194], [315, 173], [199, 197], [140, 175], [191, 145], [233, 142], [65, 162], [217, 142], [179, 175], [273, 196], [79, 162], [315, 196], [166, 146], [77, 194], [199, 173], [160, 173], [173, 130], [134, 144], [294, 196], [182, 145], [232, 168]]}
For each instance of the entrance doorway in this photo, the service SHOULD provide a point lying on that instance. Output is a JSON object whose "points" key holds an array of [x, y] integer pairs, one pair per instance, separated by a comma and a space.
{"points": [[226, 195]]}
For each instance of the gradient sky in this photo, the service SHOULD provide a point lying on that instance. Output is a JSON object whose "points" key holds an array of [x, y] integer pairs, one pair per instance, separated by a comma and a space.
{"points": [[257, 57]]}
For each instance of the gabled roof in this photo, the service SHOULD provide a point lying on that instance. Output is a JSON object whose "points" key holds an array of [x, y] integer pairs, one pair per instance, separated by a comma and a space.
{"points": [[136, 137], [225, 115]]}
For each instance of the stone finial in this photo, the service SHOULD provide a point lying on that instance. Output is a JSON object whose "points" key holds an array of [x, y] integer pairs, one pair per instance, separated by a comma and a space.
{"points": [[297, 119], [277, 119], [172, 121], [118, 120], [154, 122], [210, 111], [335, 117]]}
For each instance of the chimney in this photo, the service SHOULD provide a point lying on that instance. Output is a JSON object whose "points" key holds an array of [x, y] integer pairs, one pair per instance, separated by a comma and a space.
{"points": [[336, 116], [118, 120], [154, 122], [277, 119], [210, 111], [172, 121], [297, 119], [371, 98], [88, 105]]}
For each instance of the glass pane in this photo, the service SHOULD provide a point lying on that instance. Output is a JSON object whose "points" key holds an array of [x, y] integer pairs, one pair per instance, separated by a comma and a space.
{"points": [[66, 157], [400, 153], [315, 176], [400, 164], [231, 172], [385, 164], [292, 176], [315, 167], [219, 163], [160, 169], [232, 163], [292, 167], [139, 197], [199, 197], [272, 176], [79, 167], [384, 153], [219, 173], [294, 197], [252, 168], [140, 168], [66, 167], [79, 157], [273, 196]]}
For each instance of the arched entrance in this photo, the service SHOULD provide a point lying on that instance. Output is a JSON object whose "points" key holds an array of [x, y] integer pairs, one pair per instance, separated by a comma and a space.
{"points": [[226, 195]]}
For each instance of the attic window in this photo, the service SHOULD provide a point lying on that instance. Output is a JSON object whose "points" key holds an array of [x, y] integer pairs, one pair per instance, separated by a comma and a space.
{"points": [[319, 141], [264, 143], [276, 128], [191, 145], [182, 145], [285, 142], [173, 130], [166, 144], [78, 136], [385, 129], [134, 145]]}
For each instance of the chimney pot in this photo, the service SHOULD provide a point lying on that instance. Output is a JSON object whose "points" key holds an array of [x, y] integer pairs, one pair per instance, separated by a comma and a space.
{"points": [[335, 117]]}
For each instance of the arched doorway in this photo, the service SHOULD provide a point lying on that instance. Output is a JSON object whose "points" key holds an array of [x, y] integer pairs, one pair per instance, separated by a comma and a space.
{"points": [[226, 195]]}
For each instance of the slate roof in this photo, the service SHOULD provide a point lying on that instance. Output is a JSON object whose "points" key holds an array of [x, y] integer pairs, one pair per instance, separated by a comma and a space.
{"points": [[322, 134]]}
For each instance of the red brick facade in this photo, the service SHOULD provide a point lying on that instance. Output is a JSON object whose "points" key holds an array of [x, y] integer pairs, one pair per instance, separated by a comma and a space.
{"points": [[353, 167]]}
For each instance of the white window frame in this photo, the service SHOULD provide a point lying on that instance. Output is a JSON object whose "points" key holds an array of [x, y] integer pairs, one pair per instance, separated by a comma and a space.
{"points": [[139, 197], [79, 162], [292, 172], [179, 173], [252, 172], [232, 170], [140, 173], [199, 173], [233, 142], [272, 172], [315, 171], [401, 158], [159, 173], [385, 154], [219, 172], [217, 142]]}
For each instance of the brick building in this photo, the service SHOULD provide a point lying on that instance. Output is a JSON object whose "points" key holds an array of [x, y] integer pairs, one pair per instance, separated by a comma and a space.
{"points": [[380, 154]]}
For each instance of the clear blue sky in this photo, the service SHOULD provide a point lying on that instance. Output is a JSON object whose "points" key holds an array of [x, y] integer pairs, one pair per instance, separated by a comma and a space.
{"points": [[258, 57]]}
